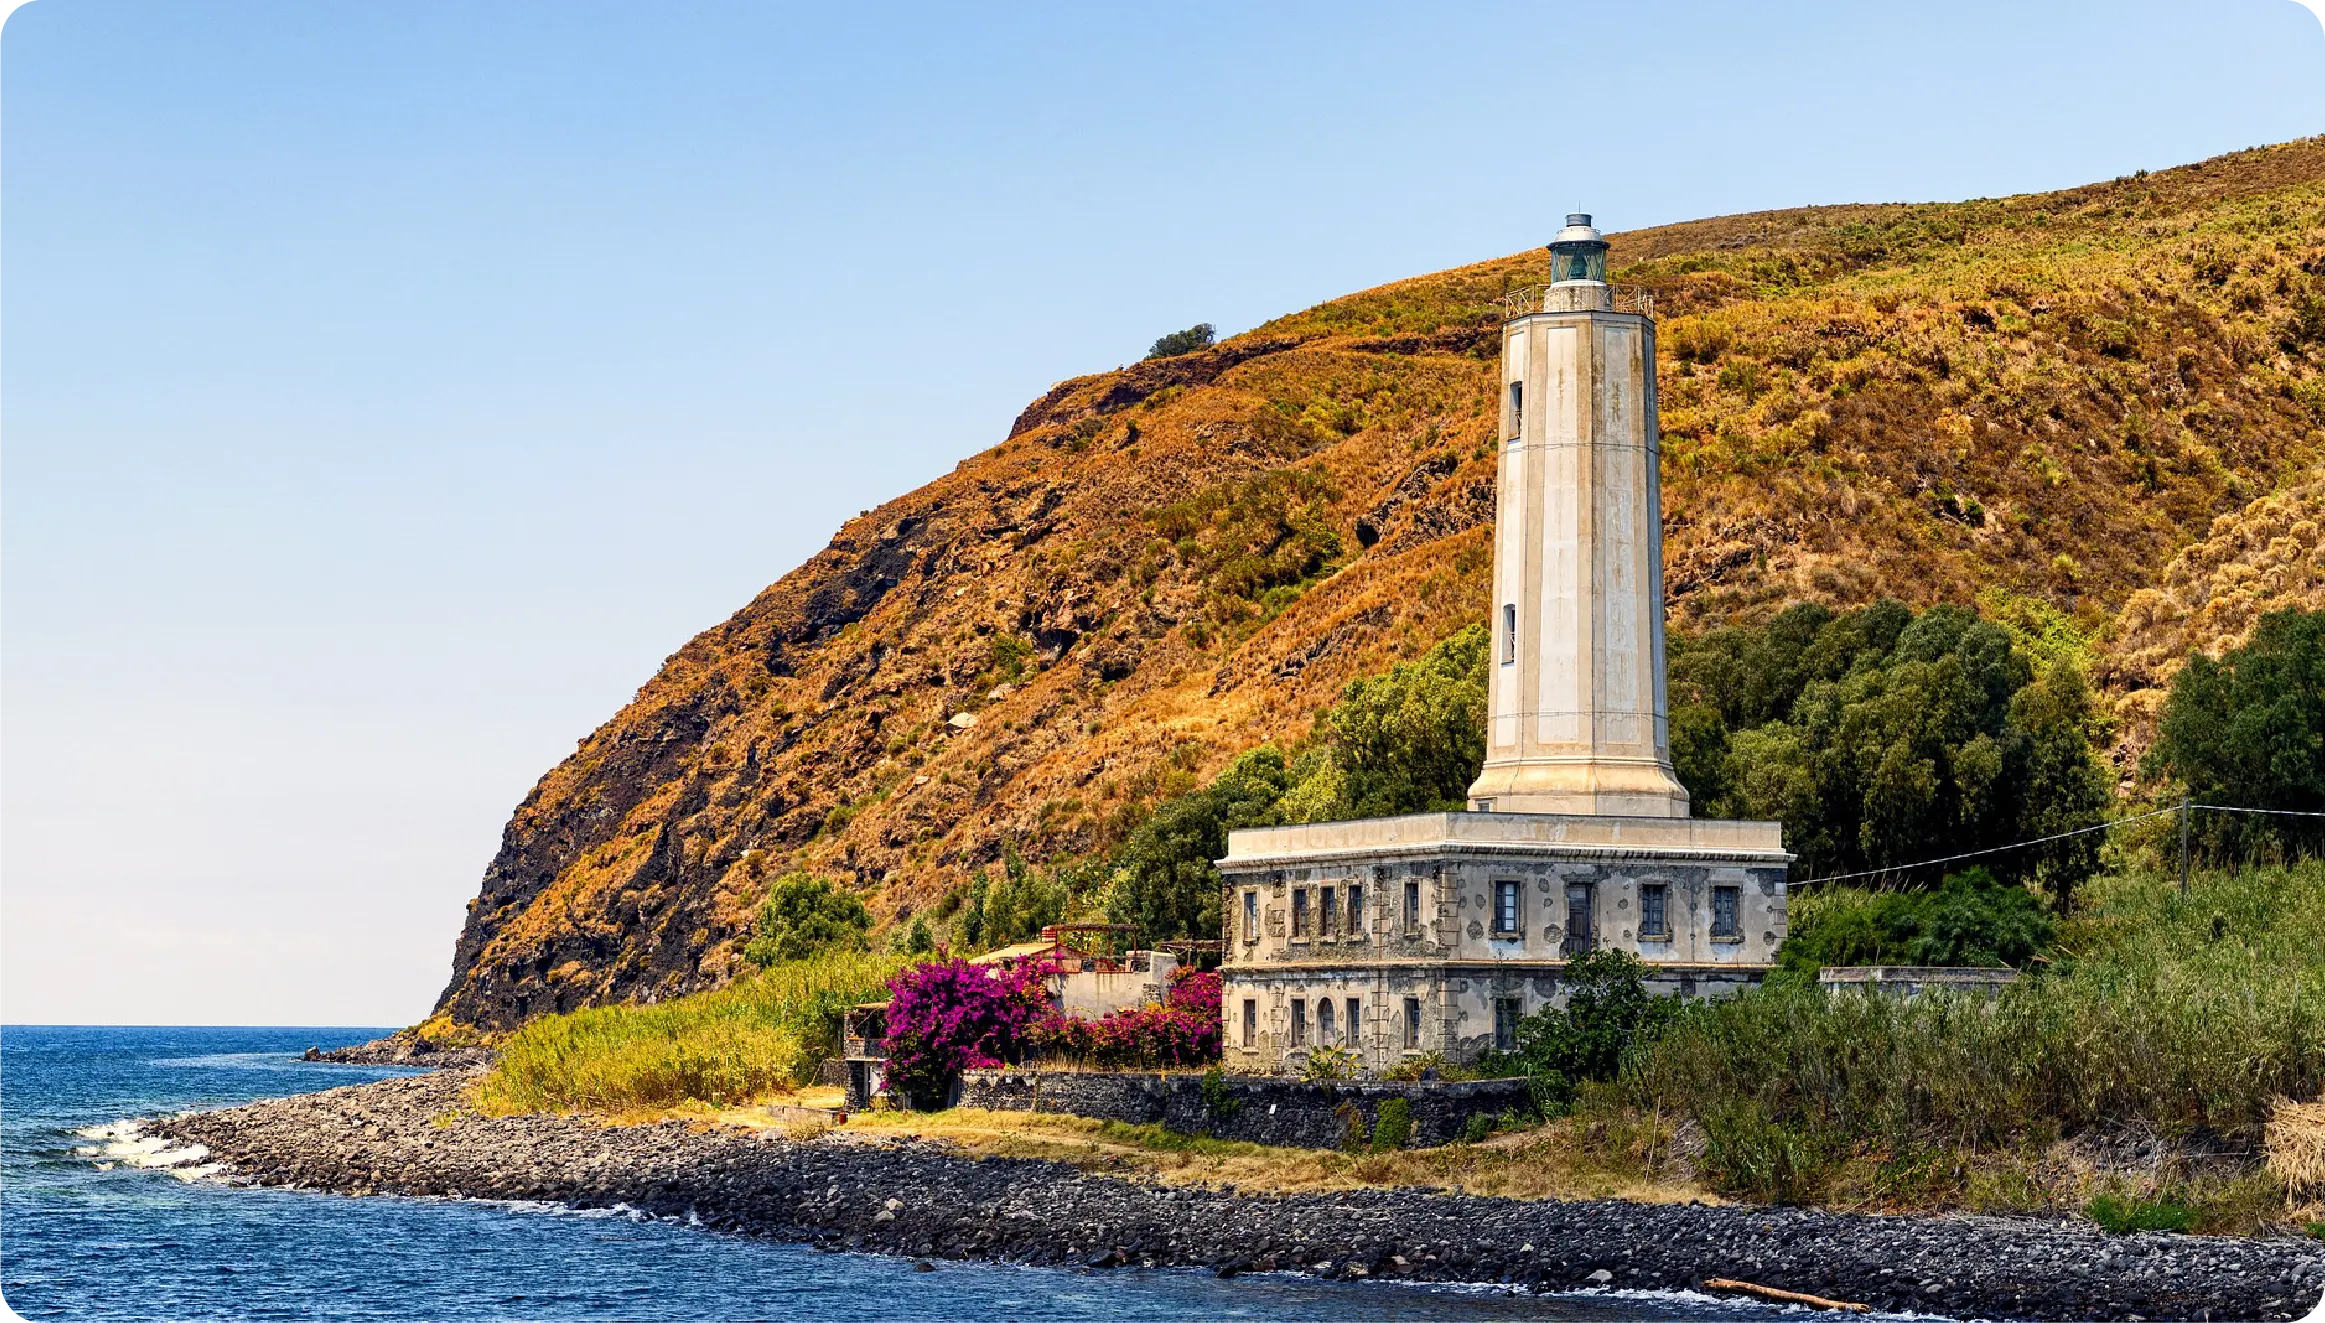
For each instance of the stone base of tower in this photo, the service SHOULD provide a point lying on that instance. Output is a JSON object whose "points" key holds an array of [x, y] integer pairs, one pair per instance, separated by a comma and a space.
{"points": [[1599, 787], [1394, 938]]}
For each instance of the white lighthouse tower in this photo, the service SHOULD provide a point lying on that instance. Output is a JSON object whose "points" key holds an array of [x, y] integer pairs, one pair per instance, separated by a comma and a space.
{"points": [[1578, 719], [1396, 938]]}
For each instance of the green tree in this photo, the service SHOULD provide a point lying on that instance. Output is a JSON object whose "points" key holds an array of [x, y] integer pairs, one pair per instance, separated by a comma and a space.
{"points": [[803, 915], [1608, 1013], [1412, 740], [1881, 738], [2248, 731], [919, 939], [1164, 883], [1198, 336]]}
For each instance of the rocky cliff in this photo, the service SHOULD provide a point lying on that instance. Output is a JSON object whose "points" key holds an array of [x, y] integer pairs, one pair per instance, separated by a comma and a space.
{"points": [[2066, 398]]}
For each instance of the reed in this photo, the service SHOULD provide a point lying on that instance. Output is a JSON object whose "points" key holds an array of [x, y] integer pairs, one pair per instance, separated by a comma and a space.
{"points": [[758, 1035], [2166, 1014]]}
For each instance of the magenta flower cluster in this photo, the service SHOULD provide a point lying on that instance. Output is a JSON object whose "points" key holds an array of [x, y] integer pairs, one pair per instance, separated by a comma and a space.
{"points": [[950, 1016], [1196, 990], [1183, 1032]]}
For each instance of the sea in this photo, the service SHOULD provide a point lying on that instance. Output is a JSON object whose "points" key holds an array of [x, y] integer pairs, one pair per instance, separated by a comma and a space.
{"points": [[86, 1232]]}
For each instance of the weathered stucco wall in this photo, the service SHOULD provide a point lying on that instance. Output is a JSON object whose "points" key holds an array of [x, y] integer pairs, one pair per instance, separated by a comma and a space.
{"points": [[1282, 1112], [1441, 929]]}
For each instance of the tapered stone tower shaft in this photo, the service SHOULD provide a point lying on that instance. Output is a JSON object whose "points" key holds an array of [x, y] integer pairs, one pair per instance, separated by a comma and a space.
{"points": [[1578, 719]]}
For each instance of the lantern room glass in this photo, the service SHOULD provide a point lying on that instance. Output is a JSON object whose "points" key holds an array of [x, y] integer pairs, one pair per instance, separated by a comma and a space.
{"points": [[1578, 261]]}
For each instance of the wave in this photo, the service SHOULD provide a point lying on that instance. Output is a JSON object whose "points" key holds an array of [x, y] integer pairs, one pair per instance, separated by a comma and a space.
{"points": [[125, 1144]]}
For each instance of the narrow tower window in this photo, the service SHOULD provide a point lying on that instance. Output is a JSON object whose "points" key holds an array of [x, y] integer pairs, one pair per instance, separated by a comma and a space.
{"points": [[1509, 633], [1354, 1021], [1517, 409], [1412, 1022], [1250, 1021], [1412, 908], [1250, 916]]}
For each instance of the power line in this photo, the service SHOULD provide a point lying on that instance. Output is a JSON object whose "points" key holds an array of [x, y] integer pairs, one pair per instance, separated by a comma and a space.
{"points": [[2180, 808], [1999, 849]]}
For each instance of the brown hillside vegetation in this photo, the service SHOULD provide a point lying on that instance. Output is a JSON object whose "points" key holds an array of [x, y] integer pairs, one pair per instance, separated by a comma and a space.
{"points": [[2049, 396]]}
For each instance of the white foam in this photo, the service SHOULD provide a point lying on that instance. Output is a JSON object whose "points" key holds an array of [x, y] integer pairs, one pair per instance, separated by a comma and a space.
{"points": [[125, 1144]]}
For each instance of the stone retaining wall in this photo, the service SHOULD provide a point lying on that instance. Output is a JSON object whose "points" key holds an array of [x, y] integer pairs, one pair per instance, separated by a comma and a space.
{"points": [[1259, 1109]]}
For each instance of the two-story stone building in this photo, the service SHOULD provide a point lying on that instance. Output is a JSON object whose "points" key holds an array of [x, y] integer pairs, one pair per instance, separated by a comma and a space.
{"points": [[1396, 937]]}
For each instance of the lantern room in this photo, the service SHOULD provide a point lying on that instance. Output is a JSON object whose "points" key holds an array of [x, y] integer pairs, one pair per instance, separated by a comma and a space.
{"points": [[1578, 253]]}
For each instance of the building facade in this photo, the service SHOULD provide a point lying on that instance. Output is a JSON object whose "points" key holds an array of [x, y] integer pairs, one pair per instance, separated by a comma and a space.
{"points": [[1395, 938]]}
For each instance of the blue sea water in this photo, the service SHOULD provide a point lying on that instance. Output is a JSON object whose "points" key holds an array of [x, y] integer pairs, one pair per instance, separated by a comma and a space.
{"points": [[79, 1240]]}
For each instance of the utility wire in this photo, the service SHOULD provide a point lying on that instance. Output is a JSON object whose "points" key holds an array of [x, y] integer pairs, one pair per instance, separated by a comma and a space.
{"points": [[2045, 840], [2019, 845]]}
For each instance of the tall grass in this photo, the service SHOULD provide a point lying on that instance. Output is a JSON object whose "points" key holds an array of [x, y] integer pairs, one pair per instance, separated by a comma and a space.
{"points": [[757, 1035], [2177, 1016]]}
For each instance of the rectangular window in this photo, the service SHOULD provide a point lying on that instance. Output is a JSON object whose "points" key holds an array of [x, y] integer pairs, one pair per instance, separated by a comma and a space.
{"points": [[1299, 1022], [1505, 1023], [1355, 1022], [1581, 939], [1250, 916], [1509, 633], [1328, 913], [1517, 409], [1412, 1022], [1654, 910], [1324, 1017], [1505, 909], [1299, 912], [1356, 910], [1250, 1022], [1412, 907], [1727, 919]]}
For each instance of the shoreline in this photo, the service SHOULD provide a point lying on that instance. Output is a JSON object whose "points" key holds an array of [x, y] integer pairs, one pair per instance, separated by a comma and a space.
{"points": [[914, 1198]]}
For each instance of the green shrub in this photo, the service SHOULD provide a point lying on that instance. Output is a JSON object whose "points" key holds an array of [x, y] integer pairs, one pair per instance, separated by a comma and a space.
{"points": [[2248, 731], [1972, 919], [1476, 1128], [1353, 1138], [1329, 1065], [1014, 908], [1392, 1126], [1219, 1101], [2120, 1215], [1198, 336], [1608, 1014], [805, 915], [762, 1033]]}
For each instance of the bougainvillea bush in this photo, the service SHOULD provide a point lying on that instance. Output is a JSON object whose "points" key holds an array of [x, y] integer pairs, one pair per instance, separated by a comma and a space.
{"points": [[1195, 990], [1183, 1032], [946, 1017]]}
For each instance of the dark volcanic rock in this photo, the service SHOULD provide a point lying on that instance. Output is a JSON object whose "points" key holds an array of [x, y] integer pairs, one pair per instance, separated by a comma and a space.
{"points": [[404, 1049], [414, 1136]]}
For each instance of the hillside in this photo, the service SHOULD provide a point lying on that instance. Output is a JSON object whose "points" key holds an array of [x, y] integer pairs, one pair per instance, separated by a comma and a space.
{"points": [[2107, 400]]}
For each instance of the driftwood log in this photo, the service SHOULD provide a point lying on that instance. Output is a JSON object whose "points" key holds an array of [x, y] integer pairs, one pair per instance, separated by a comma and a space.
{"points": [[1775, 1293]]}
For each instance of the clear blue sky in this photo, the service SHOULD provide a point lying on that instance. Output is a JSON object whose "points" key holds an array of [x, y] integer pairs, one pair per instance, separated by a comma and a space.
{"points": [[388, 388]]}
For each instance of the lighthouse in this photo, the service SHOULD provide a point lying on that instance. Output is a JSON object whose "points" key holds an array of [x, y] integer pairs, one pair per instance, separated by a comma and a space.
{"points": [[1403, 939], [1578, 719]]}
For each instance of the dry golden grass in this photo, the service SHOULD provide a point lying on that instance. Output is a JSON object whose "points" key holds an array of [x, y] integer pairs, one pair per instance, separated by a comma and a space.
{"points": [[1561, 1160], [2296, 1152]]}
